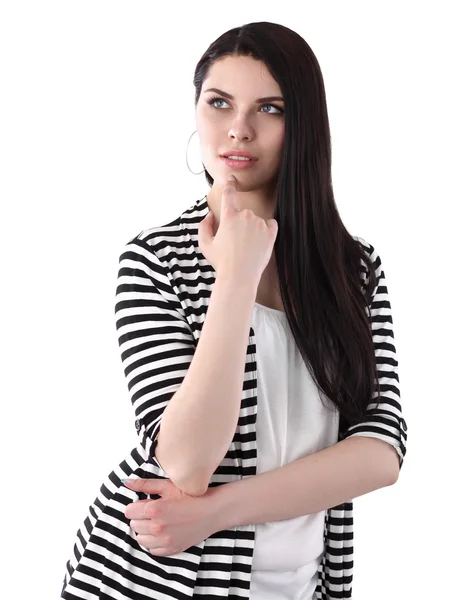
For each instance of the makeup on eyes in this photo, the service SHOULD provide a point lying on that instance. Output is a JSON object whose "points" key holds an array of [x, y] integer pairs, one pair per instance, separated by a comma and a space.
{"points": [[278, 108]]}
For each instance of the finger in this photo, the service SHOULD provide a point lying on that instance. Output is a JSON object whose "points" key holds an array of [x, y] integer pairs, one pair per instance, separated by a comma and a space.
{"points": [[228, 195], [147, 486], [137, 509], [151, 541], [143, 526], [273, 226]]}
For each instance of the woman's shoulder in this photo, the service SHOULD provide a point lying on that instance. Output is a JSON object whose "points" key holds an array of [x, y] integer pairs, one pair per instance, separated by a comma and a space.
{"points": [[171, 235], [370, 263], [367, 247], [370, 251]]}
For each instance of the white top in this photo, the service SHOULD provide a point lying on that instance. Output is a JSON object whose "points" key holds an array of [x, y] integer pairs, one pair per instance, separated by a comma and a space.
{"points": [[292, 422], [164, 287]]}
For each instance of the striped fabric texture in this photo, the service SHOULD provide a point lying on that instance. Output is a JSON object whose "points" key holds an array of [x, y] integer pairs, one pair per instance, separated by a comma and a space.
{"points": [[163, 292]]}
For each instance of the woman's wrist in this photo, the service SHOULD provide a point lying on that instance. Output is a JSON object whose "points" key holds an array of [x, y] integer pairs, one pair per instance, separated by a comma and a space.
{"points": [[222, 508]]}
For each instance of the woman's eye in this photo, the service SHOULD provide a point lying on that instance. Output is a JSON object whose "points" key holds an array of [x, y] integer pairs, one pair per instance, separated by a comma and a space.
{"points": [[212, 102], [277, 110]]}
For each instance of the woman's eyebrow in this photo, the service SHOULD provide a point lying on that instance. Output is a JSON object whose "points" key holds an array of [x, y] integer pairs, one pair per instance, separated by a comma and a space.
{"points": [[222, 93]]}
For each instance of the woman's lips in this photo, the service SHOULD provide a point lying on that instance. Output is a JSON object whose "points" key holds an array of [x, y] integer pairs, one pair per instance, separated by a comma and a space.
{"points": [[238, 164]]}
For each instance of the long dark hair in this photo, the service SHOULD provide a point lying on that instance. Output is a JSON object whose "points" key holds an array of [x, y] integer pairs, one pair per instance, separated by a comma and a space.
{"points": [[318, 262]]}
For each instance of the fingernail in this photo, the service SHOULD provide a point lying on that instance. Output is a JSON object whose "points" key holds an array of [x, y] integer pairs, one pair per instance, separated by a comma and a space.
{"points": [[232, 178], [126, 481]]}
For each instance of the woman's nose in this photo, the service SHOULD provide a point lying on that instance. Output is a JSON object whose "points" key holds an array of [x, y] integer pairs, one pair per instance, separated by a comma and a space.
{"points": [[240, 132]]}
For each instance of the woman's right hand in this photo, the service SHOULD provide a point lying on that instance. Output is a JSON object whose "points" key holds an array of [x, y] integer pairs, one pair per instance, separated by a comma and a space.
{"points": [[244, 242]]}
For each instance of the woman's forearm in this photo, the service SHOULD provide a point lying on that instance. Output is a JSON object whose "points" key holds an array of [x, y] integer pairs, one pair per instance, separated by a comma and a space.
{"points": [[200, 420], [348, 469]]}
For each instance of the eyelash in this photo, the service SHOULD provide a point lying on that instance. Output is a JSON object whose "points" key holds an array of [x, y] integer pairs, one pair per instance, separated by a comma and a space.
{"points": [[280, 110]]}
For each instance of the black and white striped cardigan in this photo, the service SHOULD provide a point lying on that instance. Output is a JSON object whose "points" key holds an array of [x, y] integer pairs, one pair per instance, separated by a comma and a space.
{"points": [[163, 292]]}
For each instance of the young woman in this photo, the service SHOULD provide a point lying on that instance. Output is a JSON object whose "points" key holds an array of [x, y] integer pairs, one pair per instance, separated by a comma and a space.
{"points": [[257, 342]]}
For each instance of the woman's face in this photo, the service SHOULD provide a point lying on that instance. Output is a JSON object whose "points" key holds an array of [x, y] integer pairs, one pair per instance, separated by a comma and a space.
{"points": [[242, 123]]}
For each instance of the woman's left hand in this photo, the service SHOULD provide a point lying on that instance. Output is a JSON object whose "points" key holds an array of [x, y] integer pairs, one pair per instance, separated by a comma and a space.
{"points": [[174, 522]]}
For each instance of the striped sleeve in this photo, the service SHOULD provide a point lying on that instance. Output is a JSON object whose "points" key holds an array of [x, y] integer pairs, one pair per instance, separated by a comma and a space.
{"points": [[155, 339], [384, 421]]}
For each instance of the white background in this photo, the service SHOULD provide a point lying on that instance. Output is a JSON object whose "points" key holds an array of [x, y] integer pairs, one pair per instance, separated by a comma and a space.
{"points": [[96, 112]]}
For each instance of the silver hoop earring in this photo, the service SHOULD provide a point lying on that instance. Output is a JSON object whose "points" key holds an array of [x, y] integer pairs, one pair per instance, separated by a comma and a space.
{"points": [[187, 149]]}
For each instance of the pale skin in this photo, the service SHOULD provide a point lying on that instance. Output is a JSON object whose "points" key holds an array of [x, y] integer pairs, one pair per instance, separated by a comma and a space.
{"points": [[177, 521], [339, 473], [244, 124]]}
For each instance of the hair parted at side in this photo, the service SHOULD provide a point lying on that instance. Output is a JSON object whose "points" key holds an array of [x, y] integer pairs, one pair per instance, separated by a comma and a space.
{"points": [[319, 263]]}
